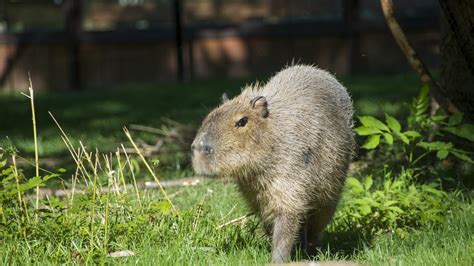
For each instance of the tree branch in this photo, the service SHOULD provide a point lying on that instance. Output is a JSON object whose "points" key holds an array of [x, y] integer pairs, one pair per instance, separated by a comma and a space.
{"points": [[436, 93]]}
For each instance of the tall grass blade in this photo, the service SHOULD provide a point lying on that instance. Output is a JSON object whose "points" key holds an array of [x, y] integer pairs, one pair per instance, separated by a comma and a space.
{"points": [[35, 138], [130, 166], [127, 133]]}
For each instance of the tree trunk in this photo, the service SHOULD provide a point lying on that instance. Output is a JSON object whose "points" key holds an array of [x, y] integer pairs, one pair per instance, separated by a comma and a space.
{"points": [[439, 97], [457, 49]]}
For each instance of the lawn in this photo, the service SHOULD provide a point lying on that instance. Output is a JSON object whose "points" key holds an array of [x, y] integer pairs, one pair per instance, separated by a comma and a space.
{"points": [[84, 228], [194, 240]]}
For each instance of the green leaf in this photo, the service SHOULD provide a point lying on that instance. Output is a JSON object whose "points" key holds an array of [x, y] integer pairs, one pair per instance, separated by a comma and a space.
{"points": [[7, 171], [32, 182], [412, 134], [368, 182], [393, 123], [389, 203], [441, 154], [403, 138], [61, 170], [370, 201], [436, 145], [164, 207], [433, 190], [438, 118], [388, 138], [47, 177], [372, 142], [422, 101], [6, 178], [365, 209], [387, 184], [397, 184], [455, 119], [395, 209], [438, 218], [463, 156], [365, 131], [354, 184], [362, 201], [3, 163], [370, 121], [464, 131]]}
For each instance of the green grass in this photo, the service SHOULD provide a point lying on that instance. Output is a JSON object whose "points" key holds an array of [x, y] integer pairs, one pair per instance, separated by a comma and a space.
{"points": [[164, 239], [452, 244], [65, 232]]}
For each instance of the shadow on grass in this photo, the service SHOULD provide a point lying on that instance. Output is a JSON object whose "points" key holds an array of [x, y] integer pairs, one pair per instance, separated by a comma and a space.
{"points": [[344, 244], [336, 245]]}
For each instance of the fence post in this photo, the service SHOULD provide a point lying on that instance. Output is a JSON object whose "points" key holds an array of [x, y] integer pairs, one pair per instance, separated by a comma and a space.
{"points": [[351, 19], [73, 12], [178, 39]]}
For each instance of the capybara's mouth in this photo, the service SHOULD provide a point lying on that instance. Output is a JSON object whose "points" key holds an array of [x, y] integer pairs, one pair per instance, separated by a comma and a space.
{"points": [[202, 166]]}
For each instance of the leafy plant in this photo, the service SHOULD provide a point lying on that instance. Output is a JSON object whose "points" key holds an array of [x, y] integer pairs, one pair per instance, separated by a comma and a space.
{"points": [[396, 200], [13, 184], [395, 203], [390, 131], [415, 142]]}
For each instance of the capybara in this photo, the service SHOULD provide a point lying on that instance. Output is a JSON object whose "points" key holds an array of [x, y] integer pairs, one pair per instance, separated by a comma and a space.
{"points": [[288, 145]]}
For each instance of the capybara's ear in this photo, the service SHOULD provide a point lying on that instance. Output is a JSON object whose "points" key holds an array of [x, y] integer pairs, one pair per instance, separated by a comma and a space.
{"points": [[260, 104], [225, 97]]}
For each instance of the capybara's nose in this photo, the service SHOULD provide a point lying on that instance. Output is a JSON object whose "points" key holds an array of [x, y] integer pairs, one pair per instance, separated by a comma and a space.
{"points": [[201, 147]]}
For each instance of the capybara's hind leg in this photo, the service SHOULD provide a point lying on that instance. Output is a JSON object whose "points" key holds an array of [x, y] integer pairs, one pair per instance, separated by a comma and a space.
{"points": [[301, 244], [316, 223]]}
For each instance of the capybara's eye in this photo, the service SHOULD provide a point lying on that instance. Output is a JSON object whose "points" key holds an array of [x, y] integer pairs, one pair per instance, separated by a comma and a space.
{"points": [[242, 122]]}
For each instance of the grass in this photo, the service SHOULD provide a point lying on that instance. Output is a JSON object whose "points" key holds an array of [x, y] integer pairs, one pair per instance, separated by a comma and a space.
{"points": [[164, 239], [452, 244], [83, 229]]}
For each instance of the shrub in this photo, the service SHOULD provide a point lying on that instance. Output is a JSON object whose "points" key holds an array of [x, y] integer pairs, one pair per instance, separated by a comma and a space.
{"points": [[392, 203], [397, 200], [408, 147]]}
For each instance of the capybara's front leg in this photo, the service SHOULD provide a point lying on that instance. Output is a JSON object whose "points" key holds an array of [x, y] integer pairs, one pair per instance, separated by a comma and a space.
{"points": [[285, 230]]}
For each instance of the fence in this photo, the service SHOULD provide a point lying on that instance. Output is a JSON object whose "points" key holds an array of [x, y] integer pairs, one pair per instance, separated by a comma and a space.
{"points": [[79, 58]]}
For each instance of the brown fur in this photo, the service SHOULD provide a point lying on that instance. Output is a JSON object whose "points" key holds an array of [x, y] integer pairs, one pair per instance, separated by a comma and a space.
{"points": [[291, 157]]}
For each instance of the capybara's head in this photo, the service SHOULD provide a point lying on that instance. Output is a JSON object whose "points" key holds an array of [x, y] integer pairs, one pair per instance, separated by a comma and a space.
{"points": [[232, 137]]}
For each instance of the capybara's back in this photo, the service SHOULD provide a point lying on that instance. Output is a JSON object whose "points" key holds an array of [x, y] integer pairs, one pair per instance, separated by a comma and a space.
{"points": [[288, 144]]}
